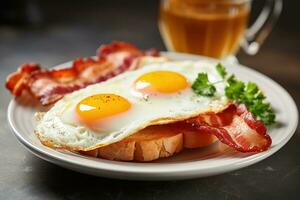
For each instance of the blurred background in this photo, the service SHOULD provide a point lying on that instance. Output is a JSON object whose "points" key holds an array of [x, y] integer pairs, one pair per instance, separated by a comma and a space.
{"points": [[51, 32]]}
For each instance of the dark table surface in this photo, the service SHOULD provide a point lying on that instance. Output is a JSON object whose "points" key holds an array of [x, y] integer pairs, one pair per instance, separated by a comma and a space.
{"points": [[74, 30]]}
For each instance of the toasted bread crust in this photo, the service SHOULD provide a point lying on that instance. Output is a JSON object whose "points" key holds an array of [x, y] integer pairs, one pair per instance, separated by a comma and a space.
{"points": [[153, 143]]}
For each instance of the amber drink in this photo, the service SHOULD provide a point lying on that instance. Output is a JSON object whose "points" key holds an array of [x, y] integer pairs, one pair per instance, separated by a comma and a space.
{"points": [[212, 28]]}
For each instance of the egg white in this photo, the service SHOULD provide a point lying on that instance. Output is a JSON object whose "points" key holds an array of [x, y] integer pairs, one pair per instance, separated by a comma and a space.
{"points": [[59, 128]]}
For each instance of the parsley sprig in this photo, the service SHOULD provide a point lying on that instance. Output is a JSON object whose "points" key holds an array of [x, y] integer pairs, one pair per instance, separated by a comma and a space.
{"points": [[203, 87], [239, 92]]}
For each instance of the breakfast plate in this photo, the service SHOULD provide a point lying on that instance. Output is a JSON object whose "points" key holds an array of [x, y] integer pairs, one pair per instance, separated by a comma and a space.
{"points": [[212, 160]]}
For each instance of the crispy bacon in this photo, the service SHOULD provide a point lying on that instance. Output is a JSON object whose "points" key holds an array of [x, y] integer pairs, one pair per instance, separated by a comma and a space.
{"points": [[48, 86], [16, 81], [235, 127]]}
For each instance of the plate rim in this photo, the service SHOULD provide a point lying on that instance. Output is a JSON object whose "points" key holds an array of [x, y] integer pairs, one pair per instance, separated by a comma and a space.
{"points": [[167, 172]]}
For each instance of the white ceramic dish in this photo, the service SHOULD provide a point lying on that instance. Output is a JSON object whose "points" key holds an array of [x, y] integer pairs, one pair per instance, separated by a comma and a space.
{"points": [[203, 162]]}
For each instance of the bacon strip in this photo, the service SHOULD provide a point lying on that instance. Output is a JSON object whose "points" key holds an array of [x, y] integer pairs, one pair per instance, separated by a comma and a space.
{"points": [[16, 81], [48, 86], [235, 127]]}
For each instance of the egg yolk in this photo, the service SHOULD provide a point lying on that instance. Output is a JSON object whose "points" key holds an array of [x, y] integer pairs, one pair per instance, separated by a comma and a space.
{"points": [[161, 82], [100, 106]]}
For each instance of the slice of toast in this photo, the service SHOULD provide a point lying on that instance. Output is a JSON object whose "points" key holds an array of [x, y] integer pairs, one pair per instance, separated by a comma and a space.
{"points": [[152, 143]]}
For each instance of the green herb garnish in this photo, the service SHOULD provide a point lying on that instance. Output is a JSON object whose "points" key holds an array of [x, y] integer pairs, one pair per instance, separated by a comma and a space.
{"points": [[221, 70], [239, 92], [202, 86]]}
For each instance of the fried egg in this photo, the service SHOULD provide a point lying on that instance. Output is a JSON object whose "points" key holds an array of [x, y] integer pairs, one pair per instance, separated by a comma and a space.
{"points": [[107, 112]]}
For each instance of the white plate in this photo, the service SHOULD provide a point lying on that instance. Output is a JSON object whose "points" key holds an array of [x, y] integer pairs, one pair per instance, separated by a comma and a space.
{"points": [[188, 164]]}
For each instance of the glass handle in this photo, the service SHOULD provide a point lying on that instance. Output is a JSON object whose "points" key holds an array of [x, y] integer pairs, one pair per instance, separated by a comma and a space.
{"points": [[257, 33]]}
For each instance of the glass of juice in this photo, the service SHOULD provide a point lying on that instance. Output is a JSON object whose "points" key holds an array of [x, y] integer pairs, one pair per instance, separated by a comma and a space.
{"points": [[215, 28]]}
